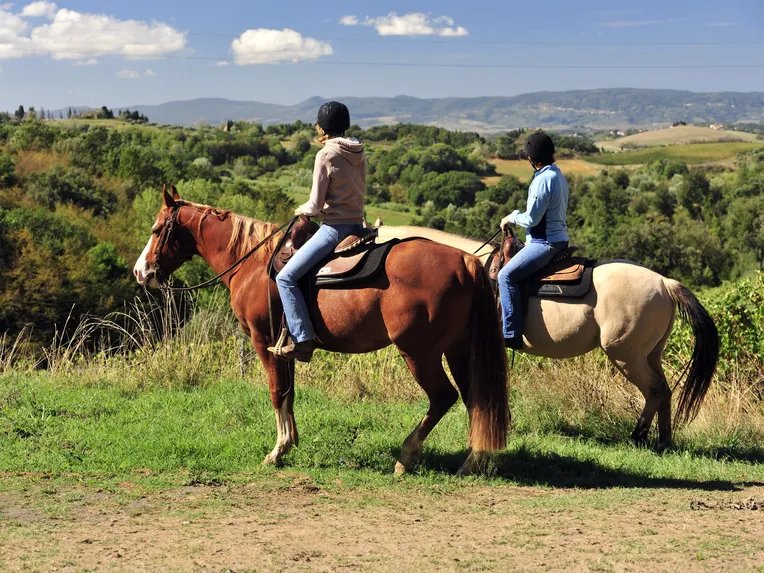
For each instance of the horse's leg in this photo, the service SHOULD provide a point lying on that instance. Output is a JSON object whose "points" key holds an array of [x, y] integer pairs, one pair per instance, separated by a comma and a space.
{"points": [[653, 386], [458, 358], [654, 359], [433, 380], [281, 384]]}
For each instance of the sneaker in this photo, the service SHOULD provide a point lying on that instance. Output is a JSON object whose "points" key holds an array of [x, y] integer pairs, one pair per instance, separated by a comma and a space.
{"points": [[300, 351]]}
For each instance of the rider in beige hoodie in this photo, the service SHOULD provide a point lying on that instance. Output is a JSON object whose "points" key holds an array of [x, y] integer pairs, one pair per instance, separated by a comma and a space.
{"points": [[339, 187]]}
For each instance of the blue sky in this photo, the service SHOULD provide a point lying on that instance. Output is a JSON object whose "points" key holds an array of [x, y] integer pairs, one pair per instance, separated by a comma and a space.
{"points": [[86, 52]]}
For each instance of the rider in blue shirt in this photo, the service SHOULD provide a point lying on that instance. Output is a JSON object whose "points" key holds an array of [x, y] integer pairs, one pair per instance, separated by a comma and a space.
{"points": [[547, 230]]}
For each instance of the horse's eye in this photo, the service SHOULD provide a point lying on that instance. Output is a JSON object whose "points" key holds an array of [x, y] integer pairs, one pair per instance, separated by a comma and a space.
{"points": [[156, 232]]}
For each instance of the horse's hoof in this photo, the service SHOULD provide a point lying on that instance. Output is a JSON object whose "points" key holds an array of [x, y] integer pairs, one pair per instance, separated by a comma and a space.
{"points": [[272, 461], [662, 447], [468, 467], [640, 440], [400, 469]]}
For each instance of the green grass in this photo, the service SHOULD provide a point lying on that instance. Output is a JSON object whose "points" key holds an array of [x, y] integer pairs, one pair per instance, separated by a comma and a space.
{"points": [[108, 123], [691, 154], [57, 425]]}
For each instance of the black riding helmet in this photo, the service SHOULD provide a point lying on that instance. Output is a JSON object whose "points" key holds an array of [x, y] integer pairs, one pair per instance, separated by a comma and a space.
{"points": [[540, 148], [333, 118]]}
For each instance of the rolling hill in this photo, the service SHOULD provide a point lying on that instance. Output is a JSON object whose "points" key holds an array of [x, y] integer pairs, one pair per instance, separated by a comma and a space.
{"points": [[678, 135], [598, 109]]}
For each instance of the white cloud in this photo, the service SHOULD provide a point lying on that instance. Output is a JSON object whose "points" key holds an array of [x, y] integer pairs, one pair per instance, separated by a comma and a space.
{"points": [[135, 75], [14, 42], [223, 63], [78, 36], [7, 7], [128, 75], [349, 21], [414, 24], [264, 46], [39, 9], [73, 36]]}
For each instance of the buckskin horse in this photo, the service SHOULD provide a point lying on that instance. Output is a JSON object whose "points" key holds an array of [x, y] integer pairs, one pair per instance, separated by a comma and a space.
{"points": [[429, 300], [629, 312]]}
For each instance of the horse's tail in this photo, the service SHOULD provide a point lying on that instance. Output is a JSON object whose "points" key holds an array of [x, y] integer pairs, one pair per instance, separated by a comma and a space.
{"points": [[488, 400], [705, 355]]}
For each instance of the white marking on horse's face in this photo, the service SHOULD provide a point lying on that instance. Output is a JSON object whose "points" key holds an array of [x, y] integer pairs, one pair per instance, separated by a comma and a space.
{"points": [[143, 271]]}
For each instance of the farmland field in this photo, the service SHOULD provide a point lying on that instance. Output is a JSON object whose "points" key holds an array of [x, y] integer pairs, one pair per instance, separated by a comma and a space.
{"points": [[522, 170], [691, 154], [679, 135]]}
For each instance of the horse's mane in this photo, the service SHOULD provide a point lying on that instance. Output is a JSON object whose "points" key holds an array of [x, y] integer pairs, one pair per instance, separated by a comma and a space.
{"points": [[245, 231]]}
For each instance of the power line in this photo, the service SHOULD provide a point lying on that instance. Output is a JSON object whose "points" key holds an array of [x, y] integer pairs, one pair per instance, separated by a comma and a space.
{"points": [[459, 41], [371, 64]]}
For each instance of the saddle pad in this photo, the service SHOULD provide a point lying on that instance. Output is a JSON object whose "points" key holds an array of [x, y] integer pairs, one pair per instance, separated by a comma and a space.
{"points": [[573, 289], [370, 262]]}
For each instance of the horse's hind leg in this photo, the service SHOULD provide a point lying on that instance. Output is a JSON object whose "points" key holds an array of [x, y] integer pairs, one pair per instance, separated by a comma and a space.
{"points": [[654, 388], [654, 359], [432, 378]]}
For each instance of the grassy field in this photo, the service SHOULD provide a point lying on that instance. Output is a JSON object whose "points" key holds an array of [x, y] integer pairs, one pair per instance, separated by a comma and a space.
{"points": [[522, 170], [97, 473], [691, 153], [679, 135]]}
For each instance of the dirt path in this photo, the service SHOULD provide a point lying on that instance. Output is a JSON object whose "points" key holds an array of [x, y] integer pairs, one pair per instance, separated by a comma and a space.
{"points": [[301, 527]]}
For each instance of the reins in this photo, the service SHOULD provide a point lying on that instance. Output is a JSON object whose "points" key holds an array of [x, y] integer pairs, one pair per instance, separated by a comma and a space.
{"points": [[491, 238], [248, 254]]}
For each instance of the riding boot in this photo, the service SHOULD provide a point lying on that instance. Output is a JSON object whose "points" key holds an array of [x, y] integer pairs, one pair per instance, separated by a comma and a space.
{"points": [[300, 351], [515, 343]]}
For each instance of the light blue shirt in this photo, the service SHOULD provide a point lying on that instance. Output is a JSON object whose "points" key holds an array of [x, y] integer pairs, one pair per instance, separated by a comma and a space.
{"points": [[548, 200]]}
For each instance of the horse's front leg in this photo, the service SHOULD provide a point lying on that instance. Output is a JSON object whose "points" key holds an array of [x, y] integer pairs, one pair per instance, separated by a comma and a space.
{"points": [[281, 383]]}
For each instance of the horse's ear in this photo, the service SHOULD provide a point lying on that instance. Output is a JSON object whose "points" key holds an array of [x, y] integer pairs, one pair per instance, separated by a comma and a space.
{"points": [[175, 194], [169, 200]]}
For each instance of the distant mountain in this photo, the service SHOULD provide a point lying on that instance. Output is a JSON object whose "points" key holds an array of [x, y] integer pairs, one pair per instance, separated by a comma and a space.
{"points": [[601, 108]]}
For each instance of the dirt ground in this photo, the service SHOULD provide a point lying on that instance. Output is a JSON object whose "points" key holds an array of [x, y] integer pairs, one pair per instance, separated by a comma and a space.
{"points": [[302, 527]]}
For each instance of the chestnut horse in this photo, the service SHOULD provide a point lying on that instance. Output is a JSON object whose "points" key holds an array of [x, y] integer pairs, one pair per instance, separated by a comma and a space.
{"points": [[629, 313], [431, 300]]}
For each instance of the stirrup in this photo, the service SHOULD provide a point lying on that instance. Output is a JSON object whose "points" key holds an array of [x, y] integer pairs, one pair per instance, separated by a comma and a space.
{"points": [[278, 348]]}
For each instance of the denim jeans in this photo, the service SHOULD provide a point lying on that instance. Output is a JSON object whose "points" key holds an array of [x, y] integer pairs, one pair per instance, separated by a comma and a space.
{"points": [[310, 254], [531, 259]]}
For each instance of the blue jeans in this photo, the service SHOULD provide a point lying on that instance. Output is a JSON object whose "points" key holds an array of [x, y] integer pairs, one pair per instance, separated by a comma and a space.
{"points": [[310, 254], [531, 259]]}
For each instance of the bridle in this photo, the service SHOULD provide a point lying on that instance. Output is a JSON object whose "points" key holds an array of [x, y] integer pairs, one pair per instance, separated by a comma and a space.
{"points": [[164, 237], [166, 233]]}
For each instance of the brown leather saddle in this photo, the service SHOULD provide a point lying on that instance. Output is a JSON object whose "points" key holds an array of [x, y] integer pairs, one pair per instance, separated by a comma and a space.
{"points": [[356, 258], [564, 276]]}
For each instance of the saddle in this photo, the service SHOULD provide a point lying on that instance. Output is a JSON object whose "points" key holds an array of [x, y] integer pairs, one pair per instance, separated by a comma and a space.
{"points": [[564, 276], [355, 259]]}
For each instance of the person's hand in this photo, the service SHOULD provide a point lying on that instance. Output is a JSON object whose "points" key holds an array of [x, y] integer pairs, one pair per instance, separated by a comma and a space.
{"points": [[506, 222]]}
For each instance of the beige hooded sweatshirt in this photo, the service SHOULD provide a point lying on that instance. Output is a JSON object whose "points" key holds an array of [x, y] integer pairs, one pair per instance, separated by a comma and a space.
{"points": [[339, 183]]}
